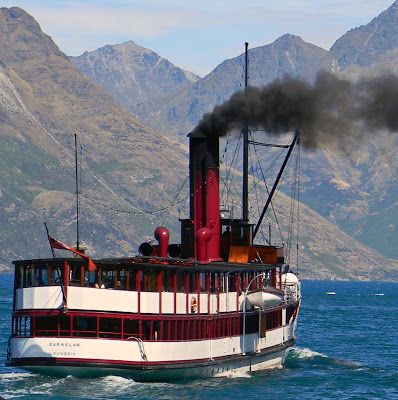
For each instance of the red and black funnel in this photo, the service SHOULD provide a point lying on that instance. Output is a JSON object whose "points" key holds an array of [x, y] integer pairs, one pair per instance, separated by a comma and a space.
{"points": [[204, 168]]}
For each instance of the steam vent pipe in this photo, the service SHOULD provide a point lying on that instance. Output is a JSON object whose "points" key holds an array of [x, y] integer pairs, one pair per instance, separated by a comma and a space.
{"points": [[204, 168], [162, 235]]}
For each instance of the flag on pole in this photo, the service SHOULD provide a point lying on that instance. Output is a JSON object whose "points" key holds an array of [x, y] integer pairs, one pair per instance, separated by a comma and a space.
{"points": [[56, 244]]}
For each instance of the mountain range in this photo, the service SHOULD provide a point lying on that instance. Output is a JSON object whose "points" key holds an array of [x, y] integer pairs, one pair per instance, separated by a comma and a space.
{"points": [[352, 187], [129, 172], [133, 74]]}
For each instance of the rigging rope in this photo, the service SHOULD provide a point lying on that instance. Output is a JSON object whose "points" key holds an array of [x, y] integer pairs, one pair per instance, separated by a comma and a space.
{"points": [[174, 202], [228, 181], [293, 203], [255, 186], [121, 211], [266, 186]]}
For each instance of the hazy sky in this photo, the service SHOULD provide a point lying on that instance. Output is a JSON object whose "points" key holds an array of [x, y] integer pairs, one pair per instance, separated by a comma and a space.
{"points": [[196, 35]]}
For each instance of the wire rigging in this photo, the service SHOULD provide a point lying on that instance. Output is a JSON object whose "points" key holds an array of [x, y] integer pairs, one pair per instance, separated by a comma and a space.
{"points": [[266, 186]]}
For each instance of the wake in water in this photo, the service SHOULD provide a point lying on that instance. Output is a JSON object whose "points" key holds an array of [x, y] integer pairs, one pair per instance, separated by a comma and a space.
{"points": [[16, 376], [235, 375], [298, 357]]}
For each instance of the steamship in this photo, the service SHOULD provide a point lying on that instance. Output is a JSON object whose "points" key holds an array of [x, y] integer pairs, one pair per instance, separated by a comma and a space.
{"points": [[212, 305]]}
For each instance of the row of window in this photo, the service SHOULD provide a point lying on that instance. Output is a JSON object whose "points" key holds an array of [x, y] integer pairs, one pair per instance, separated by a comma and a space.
{"points": [[148, 280], [145, 329]]}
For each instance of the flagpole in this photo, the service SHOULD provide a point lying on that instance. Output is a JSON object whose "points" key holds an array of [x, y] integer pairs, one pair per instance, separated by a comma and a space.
{"points": [[61, 284], [49, 242]]}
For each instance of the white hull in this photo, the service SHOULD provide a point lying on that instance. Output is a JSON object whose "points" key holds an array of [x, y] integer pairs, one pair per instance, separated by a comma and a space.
{"points": [[152, 361], [215, 369]]}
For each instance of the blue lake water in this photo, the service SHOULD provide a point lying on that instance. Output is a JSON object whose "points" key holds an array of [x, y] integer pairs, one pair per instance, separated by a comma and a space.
{"points": [[347, 348]]}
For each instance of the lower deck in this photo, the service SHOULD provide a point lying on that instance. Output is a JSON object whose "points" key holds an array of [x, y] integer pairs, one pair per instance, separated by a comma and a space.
{"points": [[149, 360]]}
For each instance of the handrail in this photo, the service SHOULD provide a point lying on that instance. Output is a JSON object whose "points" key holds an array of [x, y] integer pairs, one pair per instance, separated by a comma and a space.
{"points": [[140, 346], [244, 308]]}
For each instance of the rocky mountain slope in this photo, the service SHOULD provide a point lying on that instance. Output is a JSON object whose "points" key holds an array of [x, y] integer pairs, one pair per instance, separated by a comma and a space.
{"points": [[44, 100], [130, 173], [369, 44], [353, 187], [177, 114], [133, 74]]}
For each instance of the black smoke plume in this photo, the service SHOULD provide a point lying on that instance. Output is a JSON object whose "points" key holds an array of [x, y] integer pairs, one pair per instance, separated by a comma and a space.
{"points": [[330, 110]]}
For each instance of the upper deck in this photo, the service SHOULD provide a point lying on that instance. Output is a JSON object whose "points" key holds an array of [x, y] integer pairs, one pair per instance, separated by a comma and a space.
{"points": [[147, 285]]}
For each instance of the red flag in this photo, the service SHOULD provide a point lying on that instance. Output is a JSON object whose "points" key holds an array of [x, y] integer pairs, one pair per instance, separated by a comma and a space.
{"points": [[55, 244]]}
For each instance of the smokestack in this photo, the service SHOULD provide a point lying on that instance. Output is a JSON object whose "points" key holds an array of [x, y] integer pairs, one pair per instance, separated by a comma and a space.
{"points": [[204, 194]]}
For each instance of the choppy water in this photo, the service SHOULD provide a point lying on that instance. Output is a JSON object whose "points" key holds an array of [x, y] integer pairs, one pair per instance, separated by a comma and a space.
{"points": [[347, 349]]}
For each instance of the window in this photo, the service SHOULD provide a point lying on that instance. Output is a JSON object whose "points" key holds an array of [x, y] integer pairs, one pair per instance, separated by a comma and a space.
{"points": [[213, 282], [180, 282], [223, 282], [108, 278], [85, 326], [64, 325], [46, 326], [55, 276], [41, 276], [150, 280], [121, 282], [131, 328], [29, 276], [146, 330], [19, 281], [90, 278], [155, 334], [203, 282], [191, 282], [232, 283], [252, 323], [110, 328], [75, 275], [274, 319], [22, 327], [168, 281], [132, 280]]}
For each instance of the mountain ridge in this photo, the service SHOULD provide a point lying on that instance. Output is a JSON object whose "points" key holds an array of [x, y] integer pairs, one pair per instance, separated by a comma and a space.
{"points": [[368, 44], [132, 74], [349, 187], [44, 100]]}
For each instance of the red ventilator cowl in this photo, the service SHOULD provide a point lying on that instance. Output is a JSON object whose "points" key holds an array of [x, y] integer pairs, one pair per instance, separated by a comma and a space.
{"points": [[162, 235]]}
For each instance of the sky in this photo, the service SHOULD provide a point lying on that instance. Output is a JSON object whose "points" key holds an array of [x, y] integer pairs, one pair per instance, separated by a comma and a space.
{"points": [[195, 35]]}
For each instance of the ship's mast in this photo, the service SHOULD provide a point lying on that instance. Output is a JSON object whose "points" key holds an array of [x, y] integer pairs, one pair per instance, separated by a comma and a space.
{"points": [[77, 197], [245, 133]]}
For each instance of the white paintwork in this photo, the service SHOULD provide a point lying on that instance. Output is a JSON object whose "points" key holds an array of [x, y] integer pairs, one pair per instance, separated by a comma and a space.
{"points": [[122, 350], [149, 302], [181, 303], [44, 297], [94, 299], [83, 298]]}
